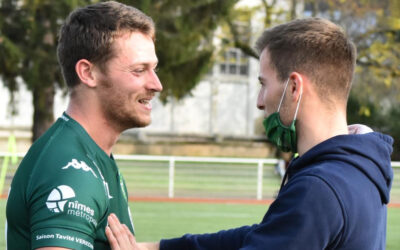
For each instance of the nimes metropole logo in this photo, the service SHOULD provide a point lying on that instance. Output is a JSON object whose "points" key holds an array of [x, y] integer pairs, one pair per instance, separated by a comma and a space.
{"points": [[60, 200], [58, 197]]}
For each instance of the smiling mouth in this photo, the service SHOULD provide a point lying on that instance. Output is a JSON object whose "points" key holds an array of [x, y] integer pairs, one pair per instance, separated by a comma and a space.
{"points": [[146, 103]]}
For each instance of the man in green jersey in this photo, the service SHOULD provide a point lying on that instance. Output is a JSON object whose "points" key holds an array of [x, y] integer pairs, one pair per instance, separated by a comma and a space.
{"points": [[68, 183]]}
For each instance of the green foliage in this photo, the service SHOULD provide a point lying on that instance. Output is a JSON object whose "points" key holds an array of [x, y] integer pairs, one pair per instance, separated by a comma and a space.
{"points": [[28, 40], [9, 60], [374, 26], [241, 34], [185, 31], [29, 34], [380, 118], [184, 42]]}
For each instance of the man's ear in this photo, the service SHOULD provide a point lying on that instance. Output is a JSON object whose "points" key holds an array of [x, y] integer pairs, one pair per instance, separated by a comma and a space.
{"points": [[297, 84], [84, 70]]}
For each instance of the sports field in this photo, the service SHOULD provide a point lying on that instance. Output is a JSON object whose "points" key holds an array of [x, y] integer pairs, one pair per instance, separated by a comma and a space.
{"points": [[207, 181], [155, 220]]}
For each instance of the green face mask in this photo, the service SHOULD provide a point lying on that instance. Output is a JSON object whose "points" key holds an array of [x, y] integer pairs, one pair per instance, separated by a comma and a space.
{"points": [[284, 137]]}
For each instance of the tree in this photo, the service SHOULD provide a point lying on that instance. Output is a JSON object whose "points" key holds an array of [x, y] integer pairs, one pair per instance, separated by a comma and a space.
{"points": [[185, 31], [272, 14], [374, 26], [28, 40]]}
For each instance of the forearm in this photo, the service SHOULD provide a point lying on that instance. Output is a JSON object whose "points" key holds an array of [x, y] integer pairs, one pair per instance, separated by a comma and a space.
{"points": [[226, 239], [149, 245]]}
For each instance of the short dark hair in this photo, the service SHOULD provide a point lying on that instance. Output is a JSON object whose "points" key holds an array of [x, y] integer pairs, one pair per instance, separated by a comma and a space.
{"points": [[315, 47], [89, 32]]}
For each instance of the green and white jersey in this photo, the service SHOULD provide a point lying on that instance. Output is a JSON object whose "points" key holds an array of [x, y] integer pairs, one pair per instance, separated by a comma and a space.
{"points": [[63, 192]]}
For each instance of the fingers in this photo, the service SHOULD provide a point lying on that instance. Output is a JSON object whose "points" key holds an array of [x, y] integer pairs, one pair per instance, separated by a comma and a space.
{"points": [[119, 236], [111, 239], [131, 238]]}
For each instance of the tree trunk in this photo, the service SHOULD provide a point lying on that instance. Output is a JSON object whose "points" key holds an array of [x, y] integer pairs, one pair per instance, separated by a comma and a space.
{"points": [[43, 103], [293, 10]]}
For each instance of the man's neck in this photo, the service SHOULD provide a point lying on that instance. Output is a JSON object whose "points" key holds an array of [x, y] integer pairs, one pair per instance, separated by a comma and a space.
{"points": [[96, 125], [315, 129]]}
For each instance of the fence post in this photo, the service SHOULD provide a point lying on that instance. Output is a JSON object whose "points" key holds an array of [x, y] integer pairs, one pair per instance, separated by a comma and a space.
{"points": [[171, 177], [259, 180]]}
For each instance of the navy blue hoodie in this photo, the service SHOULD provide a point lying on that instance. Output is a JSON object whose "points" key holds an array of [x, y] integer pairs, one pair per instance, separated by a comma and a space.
{"points": [[335, 198]]}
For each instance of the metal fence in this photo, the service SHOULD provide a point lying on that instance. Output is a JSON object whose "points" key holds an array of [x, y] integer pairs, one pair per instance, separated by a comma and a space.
{"points": [[197, 177]]}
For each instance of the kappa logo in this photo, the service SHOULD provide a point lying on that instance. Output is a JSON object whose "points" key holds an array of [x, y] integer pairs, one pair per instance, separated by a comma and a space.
{"points": [[79, 165], [58, 197]]}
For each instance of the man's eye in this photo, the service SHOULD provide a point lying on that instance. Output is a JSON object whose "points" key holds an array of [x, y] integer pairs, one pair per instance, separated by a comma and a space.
{"points": [[139, 71]]}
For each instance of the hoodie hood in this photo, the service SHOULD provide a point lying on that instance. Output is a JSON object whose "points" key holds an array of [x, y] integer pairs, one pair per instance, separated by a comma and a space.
{"points": [[369, 152]]}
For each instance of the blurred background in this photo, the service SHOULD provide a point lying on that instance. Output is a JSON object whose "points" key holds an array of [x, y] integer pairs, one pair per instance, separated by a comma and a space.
{"points": [[209, 69]]}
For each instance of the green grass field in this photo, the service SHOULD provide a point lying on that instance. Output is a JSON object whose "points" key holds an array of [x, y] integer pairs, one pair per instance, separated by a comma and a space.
{"points": [[155, 220]]}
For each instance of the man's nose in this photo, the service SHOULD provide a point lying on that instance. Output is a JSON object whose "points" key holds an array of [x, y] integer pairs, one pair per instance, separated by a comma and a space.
{"points": [[154, 82], [260, 101]]}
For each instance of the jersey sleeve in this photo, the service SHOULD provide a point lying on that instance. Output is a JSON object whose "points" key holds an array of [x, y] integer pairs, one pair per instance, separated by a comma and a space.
{"points": [[67, 201]]}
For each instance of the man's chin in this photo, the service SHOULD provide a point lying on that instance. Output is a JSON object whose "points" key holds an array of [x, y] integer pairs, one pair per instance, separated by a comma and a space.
{"points": [[142, 123], [133, 123]]}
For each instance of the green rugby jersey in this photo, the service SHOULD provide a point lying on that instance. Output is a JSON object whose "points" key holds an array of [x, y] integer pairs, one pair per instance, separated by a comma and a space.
{"points": [[63, 192]]}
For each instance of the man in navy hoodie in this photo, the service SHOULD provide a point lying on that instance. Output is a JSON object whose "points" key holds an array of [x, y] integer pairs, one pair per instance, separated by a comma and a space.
{"points": [[335, 194]]}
